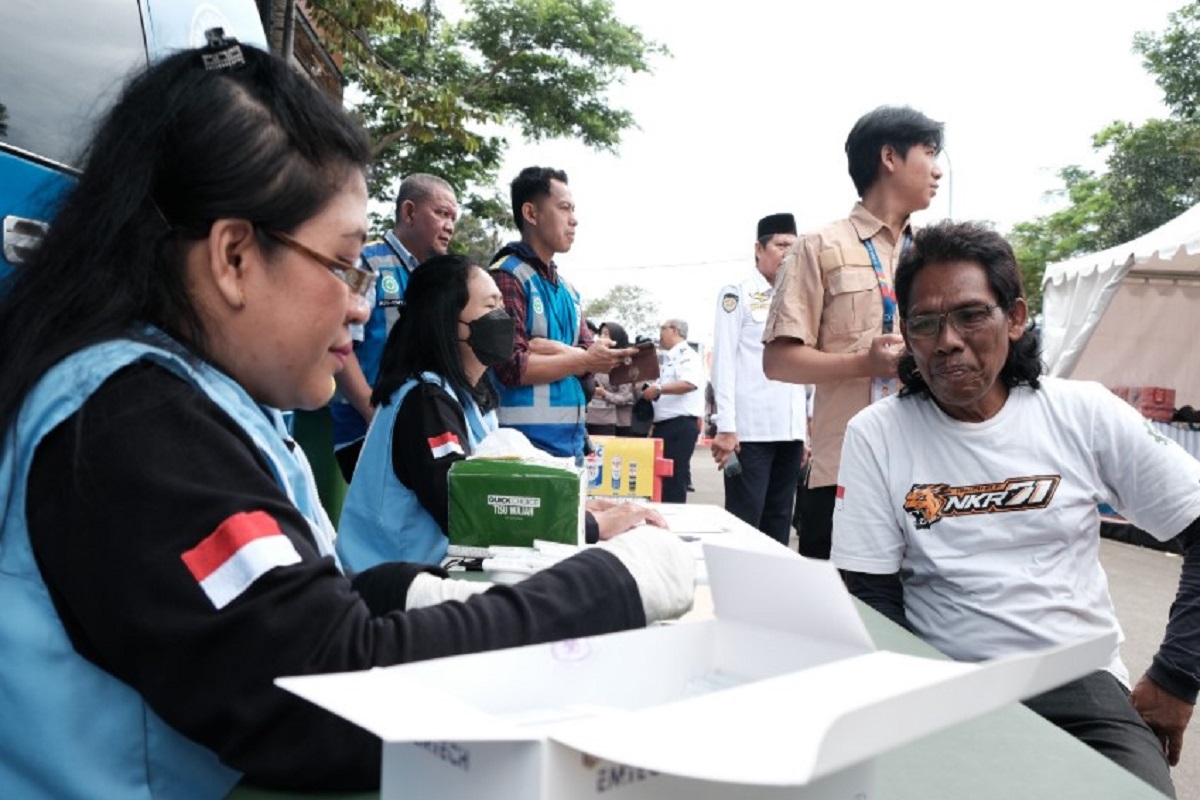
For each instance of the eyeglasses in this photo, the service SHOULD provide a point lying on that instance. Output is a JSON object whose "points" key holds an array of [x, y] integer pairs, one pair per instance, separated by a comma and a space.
{"points": [[360, 280], [967, 319]]}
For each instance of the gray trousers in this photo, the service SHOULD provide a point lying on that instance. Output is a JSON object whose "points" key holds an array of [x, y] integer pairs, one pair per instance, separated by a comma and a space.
{"points": [[1096, 710]]}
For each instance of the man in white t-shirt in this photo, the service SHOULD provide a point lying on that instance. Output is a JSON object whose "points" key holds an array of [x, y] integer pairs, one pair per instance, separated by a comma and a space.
{"points": [[678, 406], [967, 506]]}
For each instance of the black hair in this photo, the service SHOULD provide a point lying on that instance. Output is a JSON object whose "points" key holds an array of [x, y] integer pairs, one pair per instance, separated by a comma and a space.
{"points": [[900, 127], [976, 243], [425, 338], [181, 148], [530, 185], [616, 333]]}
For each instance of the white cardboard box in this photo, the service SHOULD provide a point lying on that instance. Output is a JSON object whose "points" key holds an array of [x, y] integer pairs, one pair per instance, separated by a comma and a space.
{"points": [[780, 695]]}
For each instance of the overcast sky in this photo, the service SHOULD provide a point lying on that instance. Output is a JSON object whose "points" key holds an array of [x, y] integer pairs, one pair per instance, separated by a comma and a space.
{"points": [[750, 114]]}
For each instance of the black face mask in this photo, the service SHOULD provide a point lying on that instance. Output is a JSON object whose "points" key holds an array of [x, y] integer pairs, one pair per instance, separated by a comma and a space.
{"points": [[491, 337]]}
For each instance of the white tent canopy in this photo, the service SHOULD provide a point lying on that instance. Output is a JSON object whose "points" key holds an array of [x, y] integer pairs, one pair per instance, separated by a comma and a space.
{"points": [[1129, 315]]}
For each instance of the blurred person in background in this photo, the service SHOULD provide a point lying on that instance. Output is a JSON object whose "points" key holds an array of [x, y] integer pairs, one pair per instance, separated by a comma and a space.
{"points": [[610, 410], [678, 406]]}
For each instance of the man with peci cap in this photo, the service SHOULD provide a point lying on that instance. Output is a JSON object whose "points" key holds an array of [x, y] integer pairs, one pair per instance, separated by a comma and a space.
{"points": [[763, 421]]}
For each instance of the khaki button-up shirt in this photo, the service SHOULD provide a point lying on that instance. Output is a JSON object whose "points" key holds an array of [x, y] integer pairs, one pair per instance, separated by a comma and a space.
{"points": [[827, 296]]}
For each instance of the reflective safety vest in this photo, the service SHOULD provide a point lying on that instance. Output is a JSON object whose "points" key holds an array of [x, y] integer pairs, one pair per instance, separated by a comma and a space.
{"points": [[386, 258], [382, 519], [551, 415], [70, 729]]}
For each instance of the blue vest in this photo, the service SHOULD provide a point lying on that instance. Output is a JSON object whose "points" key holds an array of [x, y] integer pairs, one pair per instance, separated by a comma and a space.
{"points": [[551, 415], [68, 729], [386, 258], [382, 519]]}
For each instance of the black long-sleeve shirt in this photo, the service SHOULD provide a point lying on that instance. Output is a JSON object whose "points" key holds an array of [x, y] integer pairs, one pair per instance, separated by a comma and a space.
{"points": [[428, 412], [150, 467]]}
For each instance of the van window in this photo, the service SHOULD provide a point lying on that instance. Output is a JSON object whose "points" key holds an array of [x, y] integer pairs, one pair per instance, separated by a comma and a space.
{"points": [[59, 70]]}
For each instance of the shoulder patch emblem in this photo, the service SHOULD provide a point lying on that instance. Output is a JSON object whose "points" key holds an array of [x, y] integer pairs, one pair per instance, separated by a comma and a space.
{"points": [[538, 308], [729, 302], [389, 284]]}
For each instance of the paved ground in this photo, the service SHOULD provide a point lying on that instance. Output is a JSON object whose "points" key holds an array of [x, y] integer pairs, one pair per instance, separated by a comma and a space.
{"points": [[1142, 582]]}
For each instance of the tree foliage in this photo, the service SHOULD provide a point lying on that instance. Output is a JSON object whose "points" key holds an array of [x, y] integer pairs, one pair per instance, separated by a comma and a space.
{"points": [[3, 120], [1153, 174], [476, 240], [1152, 171], [1173, 58], [437, 94], [1074, 229], [628, 305]]}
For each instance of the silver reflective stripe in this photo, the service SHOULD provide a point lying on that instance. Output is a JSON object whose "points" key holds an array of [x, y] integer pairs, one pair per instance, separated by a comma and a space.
{"points": [[538, 415], [539, 327], [576, 299], [525, 273]]}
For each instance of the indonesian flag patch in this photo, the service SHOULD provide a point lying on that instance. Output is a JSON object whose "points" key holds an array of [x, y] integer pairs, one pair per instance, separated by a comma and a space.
{"points": [[241, 550], [444, 445], [840, 497]]}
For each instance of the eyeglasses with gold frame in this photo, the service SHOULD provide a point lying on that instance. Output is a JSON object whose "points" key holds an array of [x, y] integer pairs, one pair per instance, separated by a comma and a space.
{"points": [[360, 280]]}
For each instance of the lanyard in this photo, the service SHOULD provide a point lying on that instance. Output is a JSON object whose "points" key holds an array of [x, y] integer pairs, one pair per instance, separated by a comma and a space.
{"points": [[886, 290]]}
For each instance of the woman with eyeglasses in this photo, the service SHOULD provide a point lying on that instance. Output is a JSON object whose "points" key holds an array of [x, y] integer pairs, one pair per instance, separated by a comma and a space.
{"points": [[163, 552], [435, 405], [967, 505]]}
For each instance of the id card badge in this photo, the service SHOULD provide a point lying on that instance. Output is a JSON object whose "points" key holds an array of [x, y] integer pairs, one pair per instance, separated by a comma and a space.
{"points": [[883, 387]]}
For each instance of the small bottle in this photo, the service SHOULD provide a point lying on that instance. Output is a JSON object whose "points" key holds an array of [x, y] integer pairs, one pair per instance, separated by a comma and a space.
{"points": [[595, 470], [633, 477], [616, 474], [733, 467]]}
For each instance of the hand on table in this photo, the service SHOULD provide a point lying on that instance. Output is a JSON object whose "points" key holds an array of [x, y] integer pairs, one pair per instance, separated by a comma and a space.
{"points": [[613, 519]]}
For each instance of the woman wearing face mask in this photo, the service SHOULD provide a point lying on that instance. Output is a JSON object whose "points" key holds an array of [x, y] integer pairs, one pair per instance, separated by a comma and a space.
{"points": [[434, 408]]}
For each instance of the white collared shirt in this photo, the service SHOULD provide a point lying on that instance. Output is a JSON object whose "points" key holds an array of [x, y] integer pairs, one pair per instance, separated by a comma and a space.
{"points": [[750, 404], [681, 363]]}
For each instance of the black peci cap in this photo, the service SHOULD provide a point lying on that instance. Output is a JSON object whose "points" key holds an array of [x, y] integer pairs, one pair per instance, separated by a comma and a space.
{"points": [[776, 223]]}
